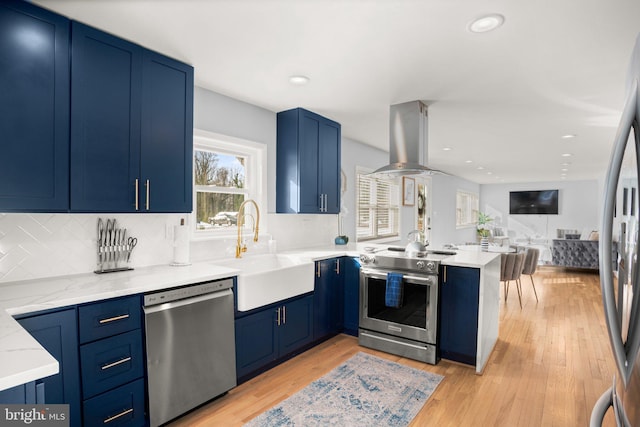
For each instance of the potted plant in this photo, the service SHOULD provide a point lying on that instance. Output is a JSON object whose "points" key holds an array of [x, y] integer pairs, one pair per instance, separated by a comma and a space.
{"points": [[483, 229]]}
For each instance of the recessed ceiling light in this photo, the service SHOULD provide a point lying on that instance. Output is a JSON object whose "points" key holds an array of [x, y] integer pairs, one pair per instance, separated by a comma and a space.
{"points": [[446, 149], [468, 161], [565, 164], [568, 136], [489, 173], [566, 155], [564, 170], [486, 23], [480, 168], [298, 80]]}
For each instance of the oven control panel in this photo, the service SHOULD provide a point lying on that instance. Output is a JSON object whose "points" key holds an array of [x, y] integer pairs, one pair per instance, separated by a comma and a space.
{"points": [[400, 263]]}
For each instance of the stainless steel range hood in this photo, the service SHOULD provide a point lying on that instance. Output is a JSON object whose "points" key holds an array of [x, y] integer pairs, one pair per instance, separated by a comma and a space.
{"points": [[407, 141]]}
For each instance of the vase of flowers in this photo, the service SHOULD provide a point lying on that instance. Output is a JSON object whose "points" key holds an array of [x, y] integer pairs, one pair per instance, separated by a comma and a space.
{"points": [[484, 230]]}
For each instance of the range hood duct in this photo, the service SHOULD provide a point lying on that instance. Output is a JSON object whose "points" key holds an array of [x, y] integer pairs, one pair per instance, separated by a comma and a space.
{"points": [[408, 141]]}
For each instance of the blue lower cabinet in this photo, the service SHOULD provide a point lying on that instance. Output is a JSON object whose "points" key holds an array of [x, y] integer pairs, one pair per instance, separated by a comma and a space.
{"points": [[458, 313], [256, 342], [31, 393], [123, 406], [271, 334], [296, 325], [109, 362], [351, 295], [57, 333], [328, 298]]}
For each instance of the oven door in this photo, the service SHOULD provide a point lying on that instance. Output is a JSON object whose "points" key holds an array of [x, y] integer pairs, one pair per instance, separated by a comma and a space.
{"points": [[415, 319]]}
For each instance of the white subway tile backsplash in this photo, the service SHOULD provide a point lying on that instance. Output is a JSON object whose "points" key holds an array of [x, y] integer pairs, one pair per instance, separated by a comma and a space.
{"points": [[45, 245]]}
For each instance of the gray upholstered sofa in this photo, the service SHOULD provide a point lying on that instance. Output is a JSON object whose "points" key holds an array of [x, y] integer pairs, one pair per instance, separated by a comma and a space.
{"points": [[575, 253]]}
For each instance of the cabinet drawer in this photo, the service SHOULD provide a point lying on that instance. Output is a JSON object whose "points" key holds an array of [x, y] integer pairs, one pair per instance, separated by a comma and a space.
{"points": [[110, 362], [108, 318], [123, 406]]}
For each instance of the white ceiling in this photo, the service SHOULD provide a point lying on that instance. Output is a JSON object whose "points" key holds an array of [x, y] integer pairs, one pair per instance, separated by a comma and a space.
{"points": [[501, 100]]}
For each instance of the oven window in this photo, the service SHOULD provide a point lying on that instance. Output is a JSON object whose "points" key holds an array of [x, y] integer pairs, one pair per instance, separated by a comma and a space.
{"points": [[415, 304]]}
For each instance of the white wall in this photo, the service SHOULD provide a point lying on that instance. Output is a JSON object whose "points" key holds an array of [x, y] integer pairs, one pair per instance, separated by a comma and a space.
{"points": [[354, 154], [443, 215], [578, 207]]}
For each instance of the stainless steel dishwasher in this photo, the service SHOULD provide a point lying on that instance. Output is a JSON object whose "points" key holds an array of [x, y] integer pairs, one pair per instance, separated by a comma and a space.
{"points": [[190, 344]]}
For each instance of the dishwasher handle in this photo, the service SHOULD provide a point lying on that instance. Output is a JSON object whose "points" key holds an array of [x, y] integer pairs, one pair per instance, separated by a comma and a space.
{"points": [[180, 303]]}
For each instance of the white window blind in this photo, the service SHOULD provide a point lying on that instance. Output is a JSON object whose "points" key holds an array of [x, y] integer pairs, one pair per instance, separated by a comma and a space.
{"points": [[467, 207], [377, 207]]}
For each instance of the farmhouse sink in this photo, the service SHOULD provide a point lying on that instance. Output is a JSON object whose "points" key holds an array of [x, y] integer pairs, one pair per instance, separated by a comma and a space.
{"points": [[265, 279]]}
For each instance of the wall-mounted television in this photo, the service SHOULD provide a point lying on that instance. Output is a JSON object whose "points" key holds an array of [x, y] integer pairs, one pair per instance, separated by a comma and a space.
{"points": [[543, 202]]}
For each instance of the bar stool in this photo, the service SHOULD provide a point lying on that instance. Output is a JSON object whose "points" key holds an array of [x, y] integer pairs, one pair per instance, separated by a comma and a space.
{"points": [[530, 264], [511, 265]]}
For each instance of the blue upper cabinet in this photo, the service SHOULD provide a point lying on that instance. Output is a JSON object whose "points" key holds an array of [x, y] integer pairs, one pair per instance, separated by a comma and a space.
{"points": [[105, 121], [34, 109], [167, 134], [131, 127], [308, 163]]}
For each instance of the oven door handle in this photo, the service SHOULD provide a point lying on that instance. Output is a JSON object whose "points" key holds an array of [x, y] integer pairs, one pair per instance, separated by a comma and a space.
{"points": [[382, 276]]}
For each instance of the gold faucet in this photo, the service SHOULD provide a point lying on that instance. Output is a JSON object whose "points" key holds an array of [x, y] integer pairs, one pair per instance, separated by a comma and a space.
{"points": [[239, 246]]}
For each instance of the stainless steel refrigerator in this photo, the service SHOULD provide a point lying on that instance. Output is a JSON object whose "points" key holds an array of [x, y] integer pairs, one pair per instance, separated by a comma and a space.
{"points": [[619, 272]]}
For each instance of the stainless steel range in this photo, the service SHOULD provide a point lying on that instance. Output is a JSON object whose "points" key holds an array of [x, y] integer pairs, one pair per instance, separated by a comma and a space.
{"points": [[409, 328]]}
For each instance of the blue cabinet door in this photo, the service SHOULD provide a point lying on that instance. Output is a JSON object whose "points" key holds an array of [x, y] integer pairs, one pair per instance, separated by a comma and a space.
{"points": [[34, 109], [458, 313], [296, 325], [57, 333], [167, 134], [351, 295], [105, 121], [256, 342], [308, 163], [329, 158], [328, 298]]}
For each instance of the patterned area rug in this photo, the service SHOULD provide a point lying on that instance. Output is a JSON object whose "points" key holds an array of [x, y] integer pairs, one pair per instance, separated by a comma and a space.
{"points": [[364, 391]]}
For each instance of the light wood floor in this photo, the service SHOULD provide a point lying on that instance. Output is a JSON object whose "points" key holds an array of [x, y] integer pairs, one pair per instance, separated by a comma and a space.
{"points": [[551, 363]]}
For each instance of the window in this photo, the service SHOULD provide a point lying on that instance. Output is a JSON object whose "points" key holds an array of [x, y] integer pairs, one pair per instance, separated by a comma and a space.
{"points": [[377, 207], [467, 208], [226, 172]]}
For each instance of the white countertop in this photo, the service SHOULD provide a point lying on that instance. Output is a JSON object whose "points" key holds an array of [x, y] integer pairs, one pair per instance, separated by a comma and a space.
{"points": [[22, 358]]}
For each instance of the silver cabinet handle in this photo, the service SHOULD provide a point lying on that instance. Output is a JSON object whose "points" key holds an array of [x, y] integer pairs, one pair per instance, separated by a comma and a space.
{"points": [[148, 185], [284, 314], [624, 357], [338, 267], [317, 269], [113, 319], [278, 322], [119, 362], [115, 417], [326, 202], [137, 193]]}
